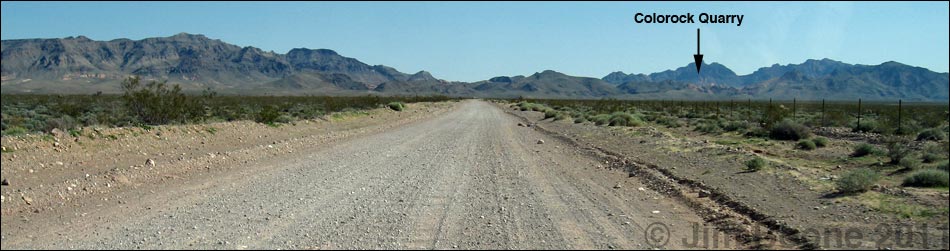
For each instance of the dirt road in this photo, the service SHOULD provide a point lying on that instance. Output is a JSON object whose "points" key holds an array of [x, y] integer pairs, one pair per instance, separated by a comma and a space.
{"points": [[468, 179]]}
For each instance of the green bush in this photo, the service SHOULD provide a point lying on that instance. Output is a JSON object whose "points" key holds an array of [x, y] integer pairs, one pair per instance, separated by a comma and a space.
{"points": [[945, 166], [931, 157], [909, 163], [927, 178], [14, 131], [865, 149], [579, 120], [736, 126], [789, 130], [897, 149], [820, 142], [857, 181], [64, 123], [669, 122], [757, 132], [561, 116], [709, 127], [932, 134], [807, 145], [550, 113], [755, 164], [155, 103], [397, 106], [600, 119], [268, 115], [866, 125], [624, 119]]}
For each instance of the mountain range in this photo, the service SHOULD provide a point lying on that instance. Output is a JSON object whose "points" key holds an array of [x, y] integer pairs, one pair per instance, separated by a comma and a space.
{"points": [[81, 65]]}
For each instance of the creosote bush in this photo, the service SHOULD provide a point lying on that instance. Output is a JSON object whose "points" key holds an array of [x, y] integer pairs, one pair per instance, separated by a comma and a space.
{"points": [[806, 145], [857, 181], [397, 106], [789, 130], [927, 178], [820, 142], [932, 134], [865, 149], [755, 164]]}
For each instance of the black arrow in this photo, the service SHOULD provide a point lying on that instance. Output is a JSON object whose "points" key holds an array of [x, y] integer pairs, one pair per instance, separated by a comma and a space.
{"points": [[698, 57]]}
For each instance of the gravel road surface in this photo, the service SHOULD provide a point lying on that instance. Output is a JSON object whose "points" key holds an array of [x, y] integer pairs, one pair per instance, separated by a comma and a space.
{"points": [[469, 179]]}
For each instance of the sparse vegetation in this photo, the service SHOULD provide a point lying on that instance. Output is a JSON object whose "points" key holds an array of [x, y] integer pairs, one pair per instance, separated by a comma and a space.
{"points": [[857, 181], [927, 178], [755, 164], [154, 103]]}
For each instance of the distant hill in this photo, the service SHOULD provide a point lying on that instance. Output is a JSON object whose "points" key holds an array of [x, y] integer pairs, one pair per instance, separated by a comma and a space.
{"points": [[811, 80], [194, 61], [81, 65]]}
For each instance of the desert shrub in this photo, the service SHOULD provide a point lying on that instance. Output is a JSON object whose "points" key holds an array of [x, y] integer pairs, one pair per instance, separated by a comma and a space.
{"points": [[909, 163], [820, 142], [669, 121], [550, 113], [866, 125], [156, 103], [710, 127], [945, 166], [930, 157], [397, 106], [736, 126], [927, 178], [561, 116], [600, 119], [14, 131], [806, 145], [268, 115], [757, 132], [755, 164], [63, 123], [897, 149], [789, 130], [857, 181], [579, 120], [624, 119], [932, 134], [865, 149]]}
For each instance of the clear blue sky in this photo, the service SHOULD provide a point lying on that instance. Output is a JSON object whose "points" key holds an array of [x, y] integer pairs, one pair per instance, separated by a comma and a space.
{"points": [[472, 41]]}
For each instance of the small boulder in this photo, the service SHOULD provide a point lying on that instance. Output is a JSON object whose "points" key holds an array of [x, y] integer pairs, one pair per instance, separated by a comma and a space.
{"points": [[4, 183], [521, 124], [150, 162], [540, 142]]}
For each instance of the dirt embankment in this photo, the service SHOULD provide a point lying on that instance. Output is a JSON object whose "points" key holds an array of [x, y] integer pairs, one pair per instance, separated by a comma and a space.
{"points": [[783, 199]]}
